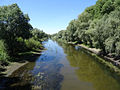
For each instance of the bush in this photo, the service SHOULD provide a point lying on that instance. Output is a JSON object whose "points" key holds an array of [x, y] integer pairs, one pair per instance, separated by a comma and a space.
{"points": [[110, 45], [20, 45], [32, 44], [118, 48], [3, 52]]}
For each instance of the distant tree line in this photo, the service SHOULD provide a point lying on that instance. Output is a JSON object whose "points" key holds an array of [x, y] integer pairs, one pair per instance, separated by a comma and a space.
{"points": [[16, 33], [98, 26]]}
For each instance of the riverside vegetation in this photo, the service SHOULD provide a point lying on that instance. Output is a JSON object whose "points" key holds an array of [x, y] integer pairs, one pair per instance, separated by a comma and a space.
{"points": [[16, 34], [97, 27], [62, 66]]}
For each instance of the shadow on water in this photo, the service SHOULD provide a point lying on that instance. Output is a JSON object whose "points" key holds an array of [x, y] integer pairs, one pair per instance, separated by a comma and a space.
{"points": [[19, 80], [42, 74], [10, 83], [31, 77], [27, 56], [16, 82]]}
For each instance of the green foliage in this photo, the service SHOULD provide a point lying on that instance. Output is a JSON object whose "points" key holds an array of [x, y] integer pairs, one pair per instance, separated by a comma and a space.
{"points": [[117, 48], [17, 33], [13, 24], [38, 34], [32, 44], [3, 52], [108, 7], [110, 45], [71, 29], [117, 3], [98, 26]]}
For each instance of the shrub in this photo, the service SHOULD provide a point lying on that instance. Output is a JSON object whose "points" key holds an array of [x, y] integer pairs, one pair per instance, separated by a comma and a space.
{"points": [[3, 52], [110, 45], [33, 44], [118, 48]]}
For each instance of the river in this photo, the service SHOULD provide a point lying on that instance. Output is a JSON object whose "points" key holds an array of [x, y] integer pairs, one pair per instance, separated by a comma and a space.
{"points": [[63, 67]]}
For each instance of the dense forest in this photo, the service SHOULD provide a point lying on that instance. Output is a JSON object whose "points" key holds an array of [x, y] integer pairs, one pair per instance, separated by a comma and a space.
{"points": [[97, 27], [17, 34]]}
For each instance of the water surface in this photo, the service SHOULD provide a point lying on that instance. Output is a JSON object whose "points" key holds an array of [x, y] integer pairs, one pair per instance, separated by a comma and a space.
{"points": [[63, 67]]}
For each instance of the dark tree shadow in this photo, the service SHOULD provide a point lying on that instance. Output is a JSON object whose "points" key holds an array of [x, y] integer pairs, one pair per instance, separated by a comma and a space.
{"points": [[27, 57], [10, 83]]}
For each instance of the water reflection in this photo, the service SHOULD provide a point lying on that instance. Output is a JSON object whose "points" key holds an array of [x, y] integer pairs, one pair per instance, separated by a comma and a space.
{"points": [[63, 67], [88, 70], [43, 74]]}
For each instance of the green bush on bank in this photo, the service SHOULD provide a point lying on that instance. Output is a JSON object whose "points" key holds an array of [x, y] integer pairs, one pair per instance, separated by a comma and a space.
{"points": [[32, 44], [3, 52]]}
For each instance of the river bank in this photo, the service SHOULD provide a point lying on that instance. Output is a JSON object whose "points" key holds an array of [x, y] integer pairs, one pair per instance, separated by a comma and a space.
{"points": [[21, 60], [97, 52], [62, 67], [109, 62]]}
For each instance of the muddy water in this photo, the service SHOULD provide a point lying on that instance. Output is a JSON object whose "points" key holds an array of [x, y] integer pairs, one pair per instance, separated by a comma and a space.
{"points": [[63, 67]]}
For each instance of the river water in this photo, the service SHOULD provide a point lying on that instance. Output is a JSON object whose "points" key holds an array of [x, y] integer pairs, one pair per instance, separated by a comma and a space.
{"points": [[63, 67]]}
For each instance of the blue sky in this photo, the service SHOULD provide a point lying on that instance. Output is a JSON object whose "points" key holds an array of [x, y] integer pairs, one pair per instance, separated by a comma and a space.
{"points": [[51, 16]]}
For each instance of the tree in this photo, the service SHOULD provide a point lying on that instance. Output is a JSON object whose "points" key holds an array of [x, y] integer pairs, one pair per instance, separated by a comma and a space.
{"points": [[13, 24], [38, 34], [71, 30], [108, 7], [98, 26]]}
